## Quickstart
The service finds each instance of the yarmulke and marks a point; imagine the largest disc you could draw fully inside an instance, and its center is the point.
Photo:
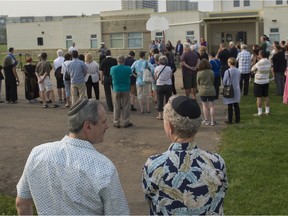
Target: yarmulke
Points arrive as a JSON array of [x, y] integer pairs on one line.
[[186, 107], [77, 106]]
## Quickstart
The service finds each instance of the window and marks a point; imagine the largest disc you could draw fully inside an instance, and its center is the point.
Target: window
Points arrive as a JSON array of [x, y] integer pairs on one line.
[[241, 37], [40, 41], [69, 41], [246, 3], [158, 35], [236, 3], [135, 40], [279, 2], [93, 41], [274, 35], [190, 35], [116, 40]]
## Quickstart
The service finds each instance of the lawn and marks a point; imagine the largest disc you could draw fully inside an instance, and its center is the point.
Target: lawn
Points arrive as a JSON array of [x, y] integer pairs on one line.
[[255, 153]]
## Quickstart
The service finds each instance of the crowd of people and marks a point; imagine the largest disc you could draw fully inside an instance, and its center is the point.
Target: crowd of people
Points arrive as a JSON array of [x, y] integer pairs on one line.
[[182, 180]]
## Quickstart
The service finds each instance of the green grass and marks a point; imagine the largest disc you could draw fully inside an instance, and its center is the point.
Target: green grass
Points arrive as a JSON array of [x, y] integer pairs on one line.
[[7, 205], [255, 153]]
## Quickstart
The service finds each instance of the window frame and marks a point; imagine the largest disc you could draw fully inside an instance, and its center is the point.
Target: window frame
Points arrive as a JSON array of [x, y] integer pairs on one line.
[[129, 38], [92, 41], [236, 3], [247, 3], [120, 38], [69, 41]]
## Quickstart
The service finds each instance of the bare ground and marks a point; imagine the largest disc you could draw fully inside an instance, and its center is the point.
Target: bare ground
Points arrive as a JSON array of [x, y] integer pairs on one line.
[[24, 126]]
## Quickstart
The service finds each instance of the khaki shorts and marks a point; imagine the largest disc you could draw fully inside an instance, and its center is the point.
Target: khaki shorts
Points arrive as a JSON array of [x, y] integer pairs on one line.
[[46, 85]]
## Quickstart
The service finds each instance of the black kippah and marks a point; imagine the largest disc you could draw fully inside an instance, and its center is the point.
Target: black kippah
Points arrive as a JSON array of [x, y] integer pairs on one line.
[[186, 107], [77, 106]]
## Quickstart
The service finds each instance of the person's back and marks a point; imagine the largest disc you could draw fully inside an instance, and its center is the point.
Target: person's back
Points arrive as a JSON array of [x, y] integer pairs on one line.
[[191, 59], [121, 78], [58, 177], [70, 177], [77, 69]]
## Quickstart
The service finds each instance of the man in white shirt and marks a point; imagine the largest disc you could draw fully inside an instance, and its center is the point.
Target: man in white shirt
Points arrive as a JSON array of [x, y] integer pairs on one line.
[[70, 177], [57, 64], [72, 48]]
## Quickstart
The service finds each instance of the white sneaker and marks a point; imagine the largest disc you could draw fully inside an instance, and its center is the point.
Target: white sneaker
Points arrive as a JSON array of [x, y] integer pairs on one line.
[[213, 123], [257, 114], [206, 122]]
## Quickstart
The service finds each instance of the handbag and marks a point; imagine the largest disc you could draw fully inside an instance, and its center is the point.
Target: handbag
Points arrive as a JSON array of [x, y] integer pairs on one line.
[[228, 91], [147, 75]]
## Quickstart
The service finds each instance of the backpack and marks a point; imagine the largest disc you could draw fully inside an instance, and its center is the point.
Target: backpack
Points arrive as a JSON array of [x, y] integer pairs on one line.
[[58, 73]]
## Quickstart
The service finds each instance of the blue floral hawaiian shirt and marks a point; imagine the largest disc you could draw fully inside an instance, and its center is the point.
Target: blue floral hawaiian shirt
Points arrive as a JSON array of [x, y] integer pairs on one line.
[[185, 180]]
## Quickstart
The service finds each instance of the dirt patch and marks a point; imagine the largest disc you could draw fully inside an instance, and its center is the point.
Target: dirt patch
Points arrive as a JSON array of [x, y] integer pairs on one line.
[[24, 126]]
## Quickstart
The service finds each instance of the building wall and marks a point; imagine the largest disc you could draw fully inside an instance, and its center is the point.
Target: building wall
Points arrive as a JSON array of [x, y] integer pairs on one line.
[[53, 33], [124, 23], [276, 18], [180, 5], [227, 6]]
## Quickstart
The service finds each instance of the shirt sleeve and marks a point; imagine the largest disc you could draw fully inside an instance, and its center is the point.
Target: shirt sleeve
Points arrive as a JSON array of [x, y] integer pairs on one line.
[[113, 197], [23, 190]]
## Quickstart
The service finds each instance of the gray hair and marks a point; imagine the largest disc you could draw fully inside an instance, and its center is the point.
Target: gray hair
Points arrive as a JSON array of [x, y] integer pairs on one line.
[[243, 46], [163, 60], [231, 43], [59, 52], [184, 127], [90, 112], [187, 46], [120, 59]]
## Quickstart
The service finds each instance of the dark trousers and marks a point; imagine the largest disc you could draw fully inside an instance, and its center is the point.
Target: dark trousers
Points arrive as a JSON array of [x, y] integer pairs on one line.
[[107, 89], [237, 112], [279, 81], [164, 91], [11, 89], [173, 85], [89, 85], [244, 80], [217, 83]]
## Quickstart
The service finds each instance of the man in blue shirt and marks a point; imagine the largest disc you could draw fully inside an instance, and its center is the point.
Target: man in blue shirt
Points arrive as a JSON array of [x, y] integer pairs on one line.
[[77, 70], [121, 86]]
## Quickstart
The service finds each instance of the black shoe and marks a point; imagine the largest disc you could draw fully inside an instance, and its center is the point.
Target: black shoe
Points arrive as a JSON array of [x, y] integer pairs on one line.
[[117, 126], [133, 108], [228, 122], [128, 125], [49, 101]]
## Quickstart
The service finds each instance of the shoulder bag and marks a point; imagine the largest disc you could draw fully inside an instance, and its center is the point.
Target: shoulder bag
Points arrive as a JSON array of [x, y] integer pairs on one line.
[[147, 74], [228, 91]]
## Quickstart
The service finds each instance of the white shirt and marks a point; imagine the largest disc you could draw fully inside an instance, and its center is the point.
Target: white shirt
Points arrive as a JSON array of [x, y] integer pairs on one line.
[[165, 77], [93, 71], [71, 49], [262, 68], [58, 62], [69, 177]]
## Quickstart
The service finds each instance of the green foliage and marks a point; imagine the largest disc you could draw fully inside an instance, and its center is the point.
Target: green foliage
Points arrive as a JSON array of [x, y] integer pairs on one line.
[[7, 205], [255, 153]]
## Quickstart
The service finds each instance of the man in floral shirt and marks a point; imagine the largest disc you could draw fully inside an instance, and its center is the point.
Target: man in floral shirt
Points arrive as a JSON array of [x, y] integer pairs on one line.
[[184, 180]]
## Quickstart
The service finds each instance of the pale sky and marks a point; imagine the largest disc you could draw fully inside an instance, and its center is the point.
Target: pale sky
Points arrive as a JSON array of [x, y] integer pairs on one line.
[[14, 8]]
